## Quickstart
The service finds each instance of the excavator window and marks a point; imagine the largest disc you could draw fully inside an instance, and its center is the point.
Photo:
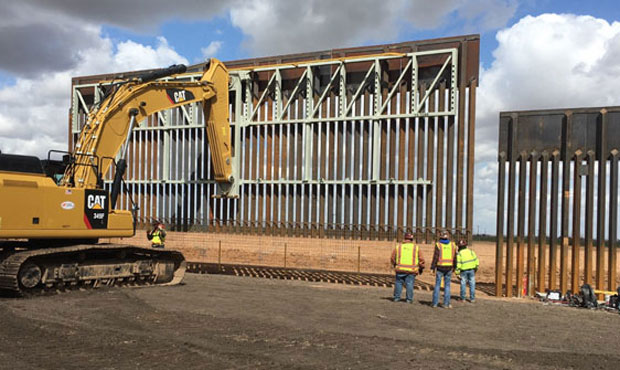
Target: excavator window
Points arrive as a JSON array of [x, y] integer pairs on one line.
[[54, 169]]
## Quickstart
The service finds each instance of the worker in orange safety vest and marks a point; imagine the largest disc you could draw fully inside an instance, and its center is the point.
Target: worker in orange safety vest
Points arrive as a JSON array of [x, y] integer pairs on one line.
[[442, 265], [408, 263]]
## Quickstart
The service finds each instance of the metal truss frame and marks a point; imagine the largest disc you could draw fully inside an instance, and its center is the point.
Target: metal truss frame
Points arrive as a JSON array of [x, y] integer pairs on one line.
[[272, 108]]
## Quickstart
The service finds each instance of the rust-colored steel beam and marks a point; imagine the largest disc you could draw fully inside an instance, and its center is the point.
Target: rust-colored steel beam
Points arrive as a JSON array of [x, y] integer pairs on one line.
[[531, 223], [589, 221], [566, 159], [612, 275], [420, 189], [402, 146], [542, 219], [450, 171], [512, 174], [460, 159], [576, 253], [499, 249], [521, 222], [471, 138], [553, 243], [601, 145], [430, 166], [441, 126]]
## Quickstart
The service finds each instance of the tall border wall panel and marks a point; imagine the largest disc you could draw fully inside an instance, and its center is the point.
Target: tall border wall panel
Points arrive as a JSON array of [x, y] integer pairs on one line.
[[359, 143], [557, 207]]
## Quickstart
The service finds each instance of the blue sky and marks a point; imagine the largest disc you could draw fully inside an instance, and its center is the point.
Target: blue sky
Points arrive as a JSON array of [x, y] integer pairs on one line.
[[534, 54], [187, 38]]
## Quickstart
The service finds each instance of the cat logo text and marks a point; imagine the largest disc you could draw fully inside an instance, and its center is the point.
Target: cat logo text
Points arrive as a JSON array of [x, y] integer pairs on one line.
[[96, 201], [177, 96]]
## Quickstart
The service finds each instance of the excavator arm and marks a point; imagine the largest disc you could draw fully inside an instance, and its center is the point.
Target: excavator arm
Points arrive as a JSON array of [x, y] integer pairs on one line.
[[108, 129]]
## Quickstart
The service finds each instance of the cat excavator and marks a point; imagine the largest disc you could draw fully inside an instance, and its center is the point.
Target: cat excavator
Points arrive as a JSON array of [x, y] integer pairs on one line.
[[53, 212]]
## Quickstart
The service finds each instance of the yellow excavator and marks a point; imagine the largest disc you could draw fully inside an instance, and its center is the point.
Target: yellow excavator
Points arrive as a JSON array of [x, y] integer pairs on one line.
[[52, 212]]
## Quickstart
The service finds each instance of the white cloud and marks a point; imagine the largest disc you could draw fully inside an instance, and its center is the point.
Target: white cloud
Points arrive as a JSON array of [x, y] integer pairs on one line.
[[548, 61], [40, 36], [479, 16], [138, 15], [211, 49], [34, 111], [134, 56], [275, 27], [35, 42], [483, 15], [426, 14]]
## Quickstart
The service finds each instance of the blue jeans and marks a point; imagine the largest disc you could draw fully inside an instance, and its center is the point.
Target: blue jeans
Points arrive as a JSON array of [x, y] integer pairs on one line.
[[408, 279], [446, 276], [468, 276]]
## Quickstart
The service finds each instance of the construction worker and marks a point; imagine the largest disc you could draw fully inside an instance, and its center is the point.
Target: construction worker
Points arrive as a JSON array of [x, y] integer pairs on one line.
[[157, 236], [442, 266], [408, 262], [466, 265]]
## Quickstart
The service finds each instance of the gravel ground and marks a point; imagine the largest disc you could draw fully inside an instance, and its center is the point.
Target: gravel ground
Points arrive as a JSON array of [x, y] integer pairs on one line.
[[228, 322]]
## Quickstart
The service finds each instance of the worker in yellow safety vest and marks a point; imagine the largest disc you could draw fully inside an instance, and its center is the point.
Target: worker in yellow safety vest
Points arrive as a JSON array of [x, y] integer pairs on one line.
[[442, 266], [466, 266], [408, 263], [157, 236]]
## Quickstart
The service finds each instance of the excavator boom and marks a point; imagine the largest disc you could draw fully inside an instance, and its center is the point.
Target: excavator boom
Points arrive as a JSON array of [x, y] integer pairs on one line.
[[108, 128]]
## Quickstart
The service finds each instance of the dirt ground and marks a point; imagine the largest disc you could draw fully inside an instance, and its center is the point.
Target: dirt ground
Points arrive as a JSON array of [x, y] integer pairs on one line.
[[228, 322]]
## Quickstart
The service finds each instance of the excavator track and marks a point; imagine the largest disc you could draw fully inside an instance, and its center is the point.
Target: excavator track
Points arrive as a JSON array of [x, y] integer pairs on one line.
[[39, 271]]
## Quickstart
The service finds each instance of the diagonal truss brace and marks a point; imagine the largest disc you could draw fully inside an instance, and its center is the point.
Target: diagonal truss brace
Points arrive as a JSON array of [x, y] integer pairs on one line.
[[296, 91]]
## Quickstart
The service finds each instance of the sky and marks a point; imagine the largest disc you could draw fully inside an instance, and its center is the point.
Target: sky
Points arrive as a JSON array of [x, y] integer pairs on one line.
[[534, 54]]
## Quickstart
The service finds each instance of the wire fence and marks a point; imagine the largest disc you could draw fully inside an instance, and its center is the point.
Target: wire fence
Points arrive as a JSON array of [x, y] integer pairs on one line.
[[336, 253]]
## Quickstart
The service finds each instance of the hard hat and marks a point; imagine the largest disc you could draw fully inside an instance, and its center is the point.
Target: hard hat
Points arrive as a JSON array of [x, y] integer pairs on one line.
[[408, 236]]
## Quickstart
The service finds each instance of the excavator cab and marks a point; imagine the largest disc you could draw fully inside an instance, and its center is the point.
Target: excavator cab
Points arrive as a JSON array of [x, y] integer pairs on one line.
[[55, 168], [52, 168]]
